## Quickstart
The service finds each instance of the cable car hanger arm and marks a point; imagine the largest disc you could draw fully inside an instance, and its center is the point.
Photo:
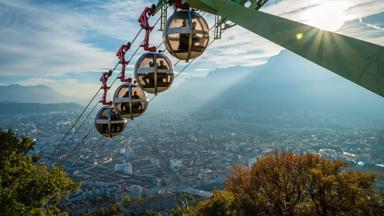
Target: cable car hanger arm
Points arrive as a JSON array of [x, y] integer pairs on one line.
[[104, 79], [121, 55], [177, 3], [144, 23]]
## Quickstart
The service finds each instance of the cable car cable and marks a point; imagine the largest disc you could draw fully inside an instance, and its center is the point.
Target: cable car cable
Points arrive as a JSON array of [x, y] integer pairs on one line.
[[90, 150], [77, 129], [181, 71], [132, 55], [94, 96], [137, 49], [82, 140], [92, 99], [117, 77], [82, 123], [78, 118], [186, 66]]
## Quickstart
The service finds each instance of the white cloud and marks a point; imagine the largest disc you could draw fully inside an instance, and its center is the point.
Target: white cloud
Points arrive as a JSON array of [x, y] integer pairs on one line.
[[296, 9], [363, 8], [78, 91], [45, 41], [243, 48], [364, 31], [44, 81]]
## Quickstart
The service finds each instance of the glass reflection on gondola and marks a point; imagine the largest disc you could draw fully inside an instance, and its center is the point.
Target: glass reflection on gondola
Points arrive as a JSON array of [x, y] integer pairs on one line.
[[154, 72], [130, 100], [186, 35], [109, 122]]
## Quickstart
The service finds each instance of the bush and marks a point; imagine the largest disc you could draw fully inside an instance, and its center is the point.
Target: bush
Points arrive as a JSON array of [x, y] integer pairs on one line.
[[25, 187], [289, 184]]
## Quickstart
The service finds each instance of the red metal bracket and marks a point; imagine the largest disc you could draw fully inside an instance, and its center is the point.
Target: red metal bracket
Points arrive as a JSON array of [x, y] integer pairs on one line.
[[104, 79], [143, 21], [121, 55], [179, 4]]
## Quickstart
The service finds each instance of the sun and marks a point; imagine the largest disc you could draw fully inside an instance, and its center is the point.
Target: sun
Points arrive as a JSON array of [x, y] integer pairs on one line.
[[329, 15]]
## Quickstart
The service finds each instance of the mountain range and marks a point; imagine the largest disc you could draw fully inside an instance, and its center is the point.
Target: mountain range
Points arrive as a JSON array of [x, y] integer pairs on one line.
[[197, 91], [31, 94], [286, 83], [10, 108], [18, 99]]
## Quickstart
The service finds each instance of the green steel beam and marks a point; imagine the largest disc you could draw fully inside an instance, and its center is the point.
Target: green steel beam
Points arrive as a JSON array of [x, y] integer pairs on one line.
[[359, 61], [159, 5], [195, 4]]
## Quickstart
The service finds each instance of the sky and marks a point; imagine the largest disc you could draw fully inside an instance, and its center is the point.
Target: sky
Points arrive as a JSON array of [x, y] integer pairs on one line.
[[67, 44]]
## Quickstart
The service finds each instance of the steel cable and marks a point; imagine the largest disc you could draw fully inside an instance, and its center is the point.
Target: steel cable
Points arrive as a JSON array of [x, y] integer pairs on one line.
[[92, 99], [134, 53]]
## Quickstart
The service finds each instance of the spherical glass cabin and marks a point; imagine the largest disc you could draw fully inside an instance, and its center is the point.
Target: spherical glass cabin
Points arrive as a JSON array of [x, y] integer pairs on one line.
[[154, 72], [130, 100], [109, 122], [186, 35]]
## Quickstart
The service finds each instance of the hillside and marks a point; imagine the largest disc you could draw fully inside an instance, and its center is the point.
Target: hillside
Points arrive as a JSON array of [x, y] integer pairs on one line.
[[7, 108], [291, 83], [286, 83], [195, 92], [31, 94]]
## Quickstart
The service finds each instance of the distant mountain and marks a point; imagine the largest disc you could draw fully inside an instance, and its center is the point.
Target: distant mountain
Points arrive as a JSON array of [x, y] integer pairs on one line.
[[31, 94], [286, 83], [7, 108], [198, 91]]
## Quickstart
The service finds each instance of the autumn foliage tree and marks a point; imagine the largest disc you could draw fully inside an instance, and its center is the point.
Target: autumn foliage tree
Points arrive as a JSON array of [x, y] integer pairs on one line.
[[27, 188], [290, 184]]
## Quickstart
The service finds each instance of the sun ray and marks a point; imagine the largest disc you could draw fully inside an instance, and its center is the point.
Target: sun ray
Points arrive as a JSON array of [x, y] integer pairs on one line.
[[329, 15]]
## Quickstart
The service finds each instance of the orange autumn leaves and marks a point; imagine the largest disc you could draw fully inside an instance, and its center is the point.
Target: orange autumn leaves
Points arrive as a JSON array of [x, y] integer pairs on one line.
[[290, 184]]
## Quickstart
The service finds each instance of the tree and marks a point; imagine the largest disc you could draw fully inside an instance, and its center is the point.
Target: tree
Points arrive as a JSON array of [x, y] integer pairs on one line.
[[221, 203], [27, 188], [184, 202], [127, 201], [289, 184], [151, 213], [112, 210]]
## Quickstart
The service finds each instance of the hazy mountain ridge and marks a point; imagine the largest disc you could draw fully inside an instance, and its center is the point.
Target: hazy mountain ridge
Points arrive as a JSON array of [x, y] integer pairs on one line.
[[7, 108], [286, 83], [31, 94], [197, 91]]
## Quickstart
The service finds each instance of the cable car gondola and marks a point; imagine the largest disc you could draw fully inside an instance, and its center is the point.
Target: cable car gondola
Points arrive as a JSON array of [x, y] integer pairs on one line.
[[130, 100], [154, 72], [186, 35], [109, 122]]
